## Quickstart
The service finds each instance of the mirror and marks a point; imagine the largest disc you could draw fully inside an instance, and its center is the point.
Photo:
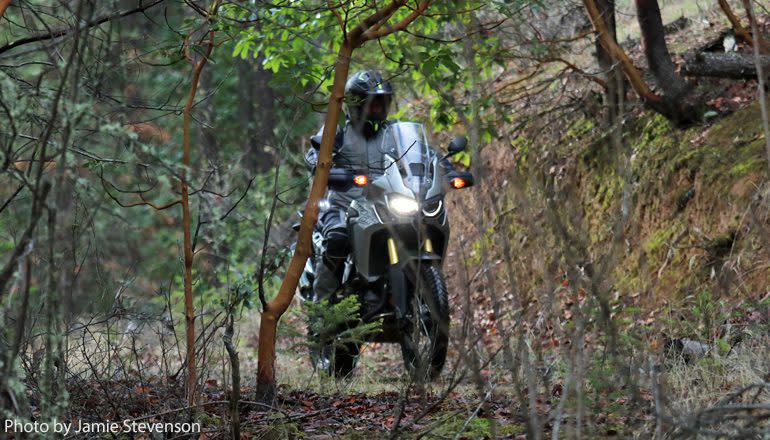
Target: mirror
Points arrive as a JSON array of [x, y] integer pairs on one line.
[[457, 145]]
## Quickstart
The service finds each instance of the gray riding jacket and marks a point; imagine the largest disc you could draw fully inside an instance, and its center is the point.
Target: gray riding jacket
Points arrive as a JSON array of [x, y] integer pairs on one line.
[[351, 151]]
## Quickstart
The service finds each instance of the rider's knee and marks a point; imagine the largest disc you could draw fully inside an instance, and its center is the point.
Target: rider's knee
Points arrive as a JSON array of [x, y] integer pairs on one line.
[[337, 244]]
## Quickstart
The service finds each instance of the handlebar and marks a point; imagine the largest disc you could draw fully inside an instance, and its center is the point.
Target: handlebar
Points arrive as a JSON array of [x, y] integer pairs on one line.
[[341, 179]]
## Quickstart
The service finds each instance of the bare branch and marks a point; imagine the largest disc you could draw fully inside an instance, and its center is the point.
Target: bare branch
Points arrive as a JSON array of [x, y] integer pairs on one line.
[[340, 20], [355, 36], [760, 76], [62, 32], [26, 238], [143, 201], [379, 33]]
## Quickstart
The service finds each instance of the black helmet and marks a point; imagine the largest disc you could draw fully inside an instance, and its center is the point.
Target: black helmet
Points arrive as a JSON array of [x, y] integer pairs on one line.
[[361, 90]]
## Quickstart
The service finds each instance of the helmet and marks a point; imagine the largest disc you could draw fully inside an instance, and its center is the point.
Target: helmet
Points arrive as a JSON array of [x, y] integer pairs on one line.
[[361, 91]]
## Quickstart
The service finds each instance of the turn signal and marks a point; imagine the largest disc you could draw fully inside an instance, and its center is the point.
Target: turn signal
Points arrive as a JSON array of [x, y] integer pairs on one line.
[[458, 183], [361, 180]]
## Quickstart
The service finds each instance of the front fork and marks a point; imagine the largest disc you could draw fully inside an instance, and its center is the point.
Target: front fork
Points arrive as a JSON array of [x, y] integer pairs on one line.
[[398, 277]]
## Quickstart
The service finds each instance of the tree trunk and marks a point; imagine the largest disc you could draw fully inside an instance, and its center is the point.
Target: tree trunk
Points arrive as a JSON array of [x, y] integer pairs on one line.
[[656, 51], [257, 111], [677, 104], [247, 113], [275, 308], [610, 66], [723, 65], [3, 6], [265, 99], [192, 377], [633, 74]]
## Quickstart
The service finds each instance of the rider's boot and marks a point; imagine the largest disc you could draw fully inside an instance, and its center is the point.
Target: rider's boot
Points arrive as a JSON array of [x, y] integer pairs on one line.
[[328, 277], [325, 284]]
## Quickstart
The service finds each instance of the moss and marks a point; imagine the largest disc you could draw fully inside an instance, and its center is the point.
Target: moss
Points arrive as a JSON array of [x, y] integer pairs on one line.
[[474, 258], [475, 428], [732, 147], [511, 429], [207, 419], [743, 168], [522, 146], [629, 282], [656, 133], [580, 128], [658, 238], [687, 158], [280, 431], [612, 191]]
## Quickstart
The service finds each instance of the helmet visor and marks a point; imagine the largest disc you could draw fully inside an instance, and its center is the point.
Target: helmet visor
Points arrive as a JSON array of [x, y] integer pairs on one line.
[[368, 108]]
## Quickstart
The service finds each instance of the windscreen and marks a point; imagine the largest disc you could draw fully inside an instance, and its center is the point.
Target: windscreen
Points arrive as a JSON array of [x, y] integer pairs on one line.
[[407, 144]]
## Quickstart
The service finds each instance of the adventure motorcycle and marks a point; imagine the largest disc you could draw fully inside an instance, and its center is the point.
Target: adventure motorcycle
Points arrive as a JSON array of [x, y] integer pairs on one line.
[[399, 233]]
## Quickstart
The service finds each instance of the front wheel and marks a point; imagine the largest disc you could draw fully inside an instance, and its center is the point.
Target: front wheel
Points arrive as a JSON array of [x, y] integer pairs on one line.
[[338, 360], [425, 342]]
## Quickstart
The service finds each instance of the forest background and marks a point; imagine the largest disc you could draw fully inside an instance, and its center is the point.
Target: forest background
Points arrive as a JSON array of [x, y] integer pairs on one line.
[[608, 271]]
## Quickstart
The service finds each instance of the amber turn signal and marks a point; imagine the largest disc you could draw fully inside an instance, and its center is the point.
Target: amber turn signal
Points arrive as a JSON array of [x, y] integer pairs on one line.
[[458, 183], [361, 180]]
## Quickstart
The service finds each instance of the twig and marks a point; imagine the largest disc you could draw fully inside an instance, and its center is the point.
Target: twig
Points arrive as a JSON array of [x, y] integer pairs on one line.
[[561, 405], [658, 400], [235, 373], [474, 414], [26, 238], [246, 191], [269, 221], [63, 32], [760, 78], [10, 199]]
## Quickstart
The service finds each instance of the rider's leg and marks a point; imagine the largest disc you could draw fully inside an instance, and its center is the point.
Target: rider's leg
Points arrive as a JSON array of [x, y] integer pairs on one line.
[[329, 267]]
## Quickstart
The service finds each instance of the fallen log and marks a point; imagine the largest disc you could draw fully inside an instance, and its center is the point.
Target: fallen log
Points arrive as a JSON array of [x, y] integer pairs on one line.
[[723, 65]]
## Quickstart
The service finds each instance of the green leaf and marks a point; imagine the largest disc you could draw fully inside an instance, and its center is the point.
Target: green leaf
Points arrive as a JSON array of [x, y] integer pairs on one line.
[[427, 68]]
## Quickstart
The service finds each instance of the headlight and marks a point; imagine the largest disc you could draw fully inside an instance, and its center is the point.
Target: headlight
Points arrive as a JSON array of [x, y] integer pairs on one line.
[[403, 205], [432, 209]]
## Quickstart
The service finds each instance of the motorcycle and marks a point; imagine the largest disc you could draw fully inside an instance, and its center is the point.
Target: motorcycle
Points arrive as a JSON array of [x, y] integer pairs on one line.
[[399, 233]]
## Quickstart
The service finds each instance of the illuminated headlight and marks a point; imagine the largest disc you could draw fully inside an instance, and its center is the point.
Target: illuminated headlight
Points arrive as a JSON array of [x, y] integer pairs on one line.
[[433, 212], [403, 205]]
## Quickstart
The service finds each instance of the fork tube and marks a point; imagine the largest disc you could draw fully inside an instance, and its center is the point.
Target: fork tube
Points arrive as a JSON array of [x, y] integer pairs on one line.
[[392, 252], [397, 280], [428, 245]]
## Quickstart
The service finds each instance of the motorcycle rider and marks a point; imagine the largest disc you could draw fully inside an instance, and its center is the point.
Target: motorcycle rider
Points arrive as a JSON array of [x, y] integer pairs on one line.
[[358, 150], [357, 147]]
